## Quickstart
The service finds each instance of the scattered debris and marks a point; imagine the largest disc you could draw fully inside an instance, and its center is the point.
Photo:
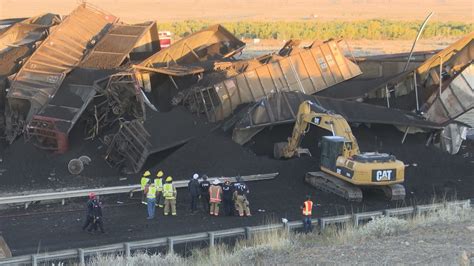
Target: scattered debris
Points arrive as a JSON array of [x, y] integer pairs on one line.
[[115, 83], [43, 73], [76, 166]]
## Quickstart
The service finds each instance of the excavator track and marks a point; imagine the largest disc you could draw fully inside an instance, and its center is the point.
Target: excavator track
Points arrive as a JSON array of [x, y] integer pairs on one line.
[[328, 183], [394, 192], [348, 191]]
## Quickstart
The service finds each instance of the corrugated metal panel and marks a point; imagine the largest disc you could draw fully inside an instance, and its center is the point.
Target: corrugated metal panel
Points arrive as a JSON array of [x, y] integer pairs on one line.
[[115, 46], [281, 108], [17, 42], [456, 98], [446, 54], [43, 73], [202, 45], [307, 70]]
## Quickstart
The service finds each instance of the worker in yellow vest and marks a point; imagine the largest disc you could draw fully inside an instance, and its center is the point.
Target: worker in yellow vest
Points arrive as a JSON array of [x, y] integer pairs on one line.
[[307, 210], [215, 197], [169, 193], [151, 193], [143, 183], [159, 187]]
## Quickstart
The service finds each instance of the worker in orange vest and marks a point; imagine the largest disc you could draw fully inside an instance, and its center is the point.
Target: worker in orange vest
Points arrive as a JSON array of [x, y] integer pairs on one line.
[[215, 197], [307, 209]]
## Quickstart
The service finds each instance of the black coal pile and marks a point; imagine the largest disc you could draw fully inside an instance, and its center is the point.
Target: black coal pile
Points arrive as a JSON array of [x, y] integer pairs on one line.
[[431, 172], [216, 154]]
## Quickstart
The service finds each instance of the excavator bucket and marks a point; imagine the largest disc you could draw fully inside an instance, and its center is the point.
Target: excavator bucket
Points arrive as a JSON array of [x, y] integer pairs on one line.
[[278, 150], [301, 151]]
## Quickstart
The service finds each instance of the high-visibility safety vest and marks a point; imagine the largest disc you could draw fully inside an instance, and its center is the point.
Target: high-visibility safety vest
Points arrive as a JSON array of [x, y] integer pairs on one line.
[[144, 181], [308, 207], [169, 191], [151, 192], [215, 193], [159, 184]]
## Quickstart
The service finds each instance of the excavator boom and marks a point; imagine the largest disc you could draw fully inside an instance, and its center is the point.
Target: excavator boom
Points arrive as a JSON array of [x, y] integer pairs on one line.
[[344, 169], [306, 116]]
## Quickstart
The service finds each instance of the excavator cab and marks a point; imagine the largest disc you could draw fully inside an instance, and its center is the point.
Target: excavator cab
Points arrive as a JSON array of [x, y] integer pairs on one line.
[[331, 148]]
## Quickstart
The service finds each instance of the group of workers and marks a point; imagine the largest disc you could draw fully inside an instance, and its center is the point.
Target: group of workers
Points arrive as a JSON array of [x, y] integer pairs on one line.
[[232, 196], [157, 193]]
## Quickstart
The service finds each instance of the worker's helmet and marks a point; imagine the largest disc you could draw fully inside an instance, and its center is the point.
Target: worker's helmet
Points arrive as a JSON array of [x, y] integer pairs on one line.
[[195, 176], [160, 174], [216, 182], [92, 195], [147, 173], [169, 179]]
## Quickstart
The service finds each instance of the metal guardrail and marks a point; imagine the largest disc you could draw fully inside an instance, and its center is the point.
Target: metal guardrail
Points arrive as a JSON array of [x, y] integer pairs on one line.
[[63, 195], [428, 208], [358, 217], [399, 211], [334, 220], [127, 247]]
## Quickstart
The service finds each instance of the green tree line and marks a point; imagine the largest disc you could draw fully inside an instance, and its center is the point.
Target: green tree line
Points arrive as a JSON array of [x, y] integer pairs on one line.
[[374, 29]]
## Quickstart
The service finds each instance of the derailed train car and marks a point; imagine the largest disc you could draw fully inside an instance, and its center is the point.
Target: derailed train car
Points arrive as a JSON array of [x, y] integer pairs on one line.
[[114, 82]]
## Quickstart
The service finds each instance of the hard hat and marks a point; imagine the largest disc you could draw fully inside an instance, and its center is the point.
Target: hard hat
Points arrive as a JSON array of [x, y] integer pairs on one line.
[[169, 179], [216, 182], [195, 176], [147, 173], [92, 195], [160, 174]]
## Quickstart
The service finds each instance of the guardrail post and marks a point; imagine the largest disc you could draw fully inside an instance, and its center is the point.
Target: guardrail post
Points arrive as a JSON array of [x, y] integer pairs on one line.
[[34, 260], [287, 227], [211, 239], [170, 245], [82, 259], [322, 225], [248, 232], [126, 247]]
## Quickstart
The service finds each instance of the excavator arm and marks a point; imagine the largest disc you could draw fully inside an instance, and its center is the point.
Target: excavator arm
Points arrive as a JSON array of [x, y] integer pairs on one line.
[[306, 116]]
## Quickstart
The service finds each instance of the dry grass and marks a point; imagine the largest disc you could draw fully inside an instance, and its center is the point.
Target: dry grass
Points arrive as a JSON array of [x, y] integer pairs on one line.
[[275, 246]]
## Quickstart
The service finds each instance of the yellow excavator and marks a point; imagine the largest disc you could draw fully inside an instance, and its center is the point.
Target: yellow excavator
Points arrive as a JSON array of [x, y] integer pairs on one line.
[[344, 169]]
